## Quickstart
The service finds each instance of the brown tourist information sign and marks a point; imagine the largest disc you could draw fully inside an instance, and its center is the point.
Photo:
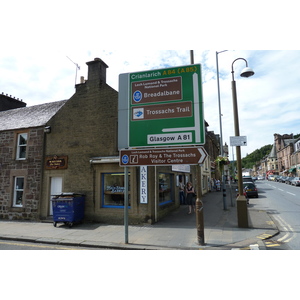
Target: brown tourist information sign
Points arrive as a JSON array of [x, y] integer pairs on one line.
[[163, 157], [56, 162]]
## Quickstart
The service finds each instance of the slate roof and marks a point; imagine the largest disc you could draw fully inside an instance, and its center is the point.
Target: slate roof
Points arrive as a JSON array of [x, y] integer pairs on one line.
[[273, 153], [31, 116]]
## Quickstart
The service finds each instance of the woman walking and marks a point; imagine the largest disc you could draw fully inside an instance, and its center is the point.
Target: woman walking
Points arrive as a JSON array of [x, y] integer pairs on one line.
[[190, 197]]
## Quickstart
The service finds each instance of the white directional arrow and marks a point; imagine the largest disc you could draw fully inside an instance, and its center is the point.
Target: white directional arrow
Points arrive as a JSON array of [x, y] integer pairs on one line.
[[203, 155]]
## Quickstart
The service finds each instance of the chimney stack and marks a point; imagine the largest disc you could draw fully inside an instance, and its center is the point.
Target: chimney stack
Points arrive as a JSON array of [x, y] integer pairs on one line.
[[7, 102], [97, 70]]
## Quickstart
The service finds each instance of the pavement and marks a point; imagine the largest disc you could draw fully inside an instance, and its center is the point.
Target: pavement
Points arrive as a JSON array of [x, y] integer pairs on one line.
[[176, 231]]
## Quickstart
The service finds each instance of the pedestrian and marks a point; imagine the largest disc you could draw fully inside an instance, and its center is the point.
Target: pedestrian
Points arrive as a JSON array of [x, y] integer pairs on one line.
[[190, 197], [214, 185], [181, 192], [218, 185]]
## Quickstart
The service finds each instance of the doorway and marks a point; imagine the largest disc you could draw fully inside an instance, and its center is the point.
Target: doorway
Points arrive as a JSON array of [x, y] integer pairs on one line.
[[55, 189]]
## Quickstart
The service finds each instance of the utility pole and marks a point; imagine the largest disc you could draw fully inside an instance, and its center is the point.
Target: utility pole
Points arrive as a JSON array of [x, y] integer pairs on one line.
[[199, 203]]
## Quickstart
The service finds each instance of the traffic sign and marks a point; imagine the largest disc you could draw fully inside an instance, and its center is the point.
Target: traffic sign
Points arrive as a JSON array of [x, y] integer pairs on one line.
[[163, 156], [238, 141], [161, 108]]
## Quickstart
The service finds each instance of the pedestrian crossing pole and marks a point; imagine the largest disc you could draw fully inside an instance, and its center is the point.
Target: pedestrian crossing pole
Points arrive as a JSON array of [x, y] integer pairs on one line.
[[199, 203]]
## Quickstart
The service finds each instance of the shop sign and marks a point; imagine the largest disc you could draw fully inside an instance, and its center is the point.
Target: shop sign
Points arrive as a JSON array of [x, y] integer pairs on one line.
[[161, 108], [56, 162], [163, 157], [144, 185]]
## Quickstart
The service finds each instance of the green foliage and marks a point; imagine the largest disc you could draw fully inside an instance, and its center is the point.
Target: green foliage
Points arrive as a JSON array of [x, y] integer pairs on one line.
[[251, 159]]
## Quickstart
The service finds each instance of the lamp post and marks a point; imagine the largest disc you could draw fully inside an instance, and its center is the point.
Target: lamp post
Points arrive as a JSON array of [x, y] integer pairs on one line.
[[221, 131], [242, 210]]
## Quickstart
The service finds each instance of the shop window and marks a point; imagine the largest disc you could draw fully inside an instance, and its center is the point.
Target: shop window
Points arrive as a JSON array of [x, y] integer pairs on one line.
[[166, 188], [18, 191], [21, 146], [113, 188]]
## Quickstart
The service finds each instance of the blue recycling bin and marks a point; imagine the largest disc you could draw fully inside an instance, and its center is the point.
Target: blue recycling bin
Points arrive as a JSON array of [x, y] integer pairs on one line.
[[68, 208]]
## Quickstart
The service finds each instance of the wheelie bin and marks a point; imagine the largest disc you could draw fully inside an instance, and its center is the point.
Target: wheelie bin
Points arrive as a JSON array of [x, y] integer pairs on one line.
[[68, 208]]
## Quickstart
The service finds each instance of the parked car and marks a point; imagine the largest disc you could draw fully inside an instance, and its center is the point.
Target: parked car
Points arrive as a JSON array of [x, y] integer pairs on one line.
[[277, 178], [283, 179], [289, 179], [271, 177], [296, 181], [247, 179], [260, 177], [250, 189], [254, 178]]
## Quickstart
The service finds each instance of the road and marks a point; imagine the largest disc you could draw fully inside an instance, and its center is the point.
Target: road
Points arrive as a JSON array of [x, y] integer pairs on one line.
[[282, 202]]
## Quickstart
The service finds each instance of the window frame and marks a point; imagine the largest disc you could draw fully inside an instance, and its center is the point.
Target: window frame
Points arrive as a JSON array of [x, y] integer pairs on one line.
[[170, 176], [103, 189], [16, 190], [19, 146]]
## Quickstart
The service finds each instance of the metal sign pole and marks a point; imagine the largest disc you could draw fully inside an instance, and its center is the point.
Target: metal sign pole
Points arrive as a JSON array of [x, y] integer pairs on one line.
[[126, 205]]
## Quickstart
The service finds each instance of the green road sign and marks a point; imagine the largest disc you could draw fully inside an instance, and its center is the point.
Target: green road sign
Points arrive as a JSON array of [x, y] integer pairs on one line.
[[161, 108]]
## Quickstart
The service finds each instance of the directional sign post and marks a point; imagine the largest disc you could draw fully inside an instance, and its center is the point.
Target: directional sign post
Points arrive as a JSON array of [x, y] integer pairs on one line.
[[163, 157], [161, 108]]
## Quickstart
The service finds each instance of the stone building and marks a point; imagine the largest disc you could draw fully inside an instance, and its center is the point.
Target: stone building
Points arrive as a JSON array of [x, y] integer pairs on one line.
[[21, 159], [295, 159], [284, 158], [284, 145], [85, 128]]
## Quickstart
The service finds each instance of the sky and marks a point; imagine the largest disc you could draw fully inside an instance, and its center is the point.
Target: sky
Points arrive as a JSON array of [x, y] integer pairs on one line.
[[42, 44]]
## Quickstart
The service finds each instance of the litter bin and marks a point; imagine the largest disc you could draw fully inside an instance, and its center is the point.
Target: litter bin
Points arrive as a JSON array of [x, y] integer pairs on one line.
[[68, 208]]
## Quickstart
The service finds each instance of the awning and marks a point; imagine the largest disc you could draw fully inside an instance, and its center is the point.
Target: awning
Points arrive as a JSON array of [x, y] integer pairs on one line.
[[105, 160], [292, 170]]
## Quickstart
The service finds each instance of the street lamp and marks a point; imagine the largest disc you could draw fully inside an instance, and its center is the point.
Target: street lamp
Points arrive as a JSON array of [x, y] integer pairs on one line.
[[221, 131], [242, 209]]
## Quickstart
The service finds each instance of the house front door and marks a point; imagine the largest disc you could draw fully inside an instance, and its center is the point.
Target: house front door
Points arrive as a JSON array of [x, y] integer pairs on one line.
[[55, 189]]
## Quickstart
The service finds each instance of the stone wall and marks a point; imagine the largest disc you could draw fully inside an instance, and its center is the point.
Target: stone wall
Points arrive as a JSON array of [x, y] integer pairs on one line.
[[30, 169]]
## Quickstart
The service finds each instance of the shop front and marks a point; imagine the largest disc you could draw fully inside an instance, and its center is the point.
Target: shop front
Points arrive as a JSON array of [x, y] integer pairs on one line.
[[152, 192]]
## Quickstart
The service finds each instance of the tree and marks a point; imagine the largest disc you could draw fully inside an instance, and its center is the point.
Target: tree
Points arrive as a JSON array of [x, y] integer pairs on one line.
[[257, 155]]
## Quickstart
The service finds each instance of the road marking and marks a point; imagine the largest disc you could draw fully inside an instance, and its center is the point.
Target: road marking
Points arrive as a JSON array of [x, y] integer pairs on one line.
[[291, 193], [290, 234], [264, 236], [270, 222], [272, 244], [284, 237]]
